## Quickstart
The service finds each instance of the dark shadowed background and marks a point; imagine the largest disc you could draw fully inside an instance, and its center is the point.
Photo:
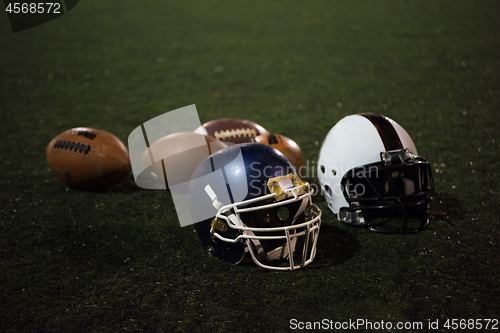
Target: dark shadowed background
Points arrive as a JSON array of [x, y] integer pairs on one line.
[[116, 260]]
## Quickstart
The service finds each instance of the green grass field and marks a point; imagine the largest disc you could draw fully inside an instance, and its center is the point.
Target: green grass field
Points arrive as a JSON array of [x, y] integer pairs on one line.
[[116, 260]]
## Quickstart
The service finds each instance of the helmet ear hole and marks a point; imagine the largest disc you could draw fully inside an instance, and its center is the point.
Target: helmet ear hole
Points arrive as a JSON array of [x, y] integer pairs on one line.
[[283, 213], [328, 190], [322, 168]]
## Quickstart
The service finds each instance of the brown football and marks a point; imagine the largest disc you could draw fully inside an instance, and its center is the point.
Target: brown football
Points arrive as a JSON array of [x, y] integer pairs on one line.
[[232, 130], [87, 158], [177, 155], [288, 147]]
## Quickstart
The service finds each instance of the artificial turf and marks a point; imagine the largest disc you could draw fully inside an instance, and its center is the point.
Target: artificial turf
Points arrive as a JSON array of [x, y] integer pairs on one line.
[[117, 260]]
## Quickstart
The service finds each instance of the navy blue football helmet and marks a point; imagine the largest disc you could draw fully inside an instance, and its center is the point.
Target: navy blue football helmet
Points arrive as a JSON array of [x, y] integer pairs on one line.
[[248, 202]]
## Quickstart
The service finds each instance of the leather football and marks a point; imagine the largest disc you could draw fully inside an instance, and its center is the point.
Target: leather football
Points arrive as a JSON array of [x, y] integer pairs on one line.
[[232, 130], [87, 158], [175, 156], [288, 147]]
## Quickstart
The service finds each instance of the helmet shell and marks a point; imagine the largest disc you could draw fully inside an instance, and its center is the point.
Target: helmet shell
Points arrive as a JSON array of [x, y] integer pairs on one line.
[[236, 173], [354, 141]]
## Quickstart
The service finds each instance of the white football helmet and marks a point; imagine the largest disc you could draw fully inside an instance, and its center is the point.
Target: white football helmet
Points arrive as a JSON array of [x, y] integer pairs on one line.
[[371, 175]]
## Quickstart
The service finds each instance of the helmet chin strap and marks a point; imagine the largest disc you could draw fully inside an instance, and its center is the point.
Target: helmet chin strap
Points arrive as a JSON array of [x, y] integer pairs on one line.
[[217, 204], [301, 209]]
